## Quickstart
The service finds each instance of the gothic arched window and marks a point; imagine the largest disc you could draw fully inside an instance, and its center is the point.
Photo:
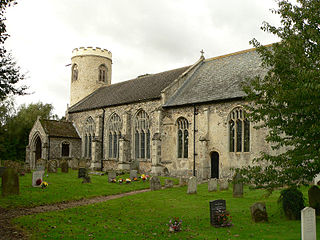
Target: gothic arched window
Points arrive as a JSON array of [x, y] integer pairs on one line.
[[183, 136], [239, 131], [114, 127], [142, 135], [88, 137], [102, 73], [74, 72]]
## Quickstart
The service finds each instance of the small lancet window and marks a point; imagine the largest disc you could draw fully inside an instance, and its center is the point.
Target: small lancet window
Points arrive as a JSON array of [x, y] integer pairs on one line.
[[102, 73], [74, 72]]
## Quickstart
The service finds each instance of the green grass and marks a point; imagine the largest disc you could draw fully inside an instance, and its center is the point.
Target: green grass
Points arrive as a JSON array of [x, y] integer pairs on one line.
[[146, 215], [65, 187]]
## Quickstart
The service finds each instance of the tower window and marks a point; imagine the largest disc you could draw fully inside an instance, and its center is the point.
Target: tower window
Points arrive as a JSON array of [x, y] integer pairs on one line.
[[74, 72], [102, 73]]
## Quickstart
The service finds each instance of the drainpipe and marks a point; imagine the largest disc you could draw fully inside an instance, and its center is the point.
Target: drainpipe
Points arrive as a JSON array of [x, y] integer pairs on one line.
[[102, 139], [194, 139], [49, 148]]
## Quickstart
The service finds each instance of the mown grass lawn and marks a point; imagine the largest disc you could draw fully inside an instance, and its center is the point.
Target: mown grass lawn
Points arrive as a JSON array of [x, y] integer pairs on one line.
[[146, 215], [65, 187]]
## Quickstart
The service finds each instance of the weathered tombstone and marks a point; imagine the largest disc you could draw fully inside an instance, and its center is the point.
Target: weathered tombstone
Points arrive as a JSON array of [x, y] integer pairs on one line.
[[86, 179], [259, 212], [168, 183], [35, 176], [40, 168], [216, 207], [314, 198], [224, 184], [82, 173], [41, 164], [64, 167], [133, 174], [237, 186], [52, 166], [111, 175], [82, 163], [192, 185], [308, 224], [10, 182], [212, 185], [74, 164], [155, 183], [183, 181], [2, 169]]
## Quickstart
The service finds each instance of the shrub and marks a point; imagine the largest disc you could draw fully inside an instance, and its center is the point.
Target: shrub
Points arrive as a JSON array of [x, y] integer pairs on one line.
[[292, 202]]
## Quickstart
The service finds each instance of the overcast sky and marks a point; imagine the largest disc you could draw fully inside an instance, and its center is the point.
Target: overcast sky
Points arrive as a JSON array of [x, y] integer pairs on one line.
[[144, 36]]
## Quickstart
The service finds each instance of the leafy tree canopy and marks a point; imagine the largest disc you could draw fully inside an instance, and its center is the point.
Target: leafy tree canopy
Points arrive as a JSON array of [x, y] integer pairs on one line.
[[287, 100]]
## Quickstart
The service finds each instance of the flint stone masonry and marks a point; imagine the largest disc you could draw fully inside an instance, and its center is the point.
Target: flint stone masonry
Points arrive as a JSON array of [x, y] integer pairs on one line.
[[259, 212], [10, 182], [308, 224], [212, 185], [35, 176], [155, 183], [192, 185], [52, 166]]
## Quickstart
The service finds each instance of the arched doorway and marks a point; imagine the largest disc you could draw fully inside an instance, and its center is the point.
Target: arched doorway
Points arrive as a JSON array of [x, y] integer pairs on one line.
[[215, 165], [38, 147]]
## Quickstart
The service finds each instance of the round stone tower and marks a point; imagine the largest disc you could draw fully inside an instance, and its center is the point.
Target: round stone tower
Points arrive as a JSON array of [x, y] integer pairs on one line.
[[90, 70]]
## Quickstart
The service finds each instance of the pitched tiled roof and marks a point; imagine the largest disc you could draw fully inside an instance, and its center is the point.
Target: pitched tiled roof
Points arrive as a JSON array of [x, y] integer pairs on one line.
[[143, 88], [218, 79], [56, 128]]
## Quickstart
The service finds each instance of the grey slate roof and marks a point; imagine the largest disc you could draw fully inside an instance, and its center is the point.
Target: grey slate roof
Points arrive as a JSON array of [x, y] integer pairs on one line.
[[143, 88], [218, 79], [56, 128]]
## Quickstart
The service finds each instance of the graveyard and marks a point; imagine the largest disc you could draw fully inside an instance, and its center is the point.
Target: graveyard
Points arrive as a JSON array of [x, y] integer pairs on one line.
[[144, 214]]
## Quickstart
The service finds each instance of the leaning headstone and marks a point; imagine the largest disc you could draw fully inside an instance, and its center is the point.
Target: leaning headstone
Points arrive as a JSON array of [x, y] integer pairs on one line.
[[155, 183], [314, 198], [237, 186], [10, 182], [308, 224], [259, 212], [224, 184], [183, 181], [133, 174], [216, 208], [192, 185], [82, 173], [2, 169], [168, 183], [52, 166], [111, 175], [64, 167], [35, 176], [212, 185]]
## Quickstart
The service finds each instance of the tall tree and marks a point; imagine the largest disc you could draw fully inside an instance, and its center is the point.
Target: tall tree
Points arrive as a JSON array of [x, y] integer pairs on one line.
[[9, 72], [287, 100]]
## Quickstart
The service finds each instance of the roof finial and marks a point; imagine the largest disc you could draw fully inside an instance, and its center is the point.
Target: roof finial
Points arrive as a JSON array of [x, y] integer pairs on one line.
[[202, 52]]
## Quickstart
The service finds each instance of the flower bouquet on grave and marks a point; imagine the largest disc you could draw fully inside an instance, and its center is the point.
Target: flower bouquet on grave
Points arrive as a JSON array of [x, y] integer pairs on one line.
[[128, 180], [135, 179], [44, 185], [144, 177], [113, 180], [223, 218], [120, 180], [38, 182], [175, 225]]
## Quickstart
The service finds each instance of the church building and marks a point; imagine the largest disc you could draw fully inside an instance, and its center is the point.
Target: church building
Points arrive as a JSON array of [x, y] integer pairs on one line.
[[181, 122]]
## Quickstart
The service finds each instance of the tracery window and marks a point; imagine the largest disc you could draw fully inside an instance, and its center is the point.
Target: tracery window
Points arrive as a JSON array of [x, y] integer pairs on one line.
[[65, 149], [183, 136], [88, 137], [142, 135], [74, 72], [114, 131], [239, 131], [102, 73]]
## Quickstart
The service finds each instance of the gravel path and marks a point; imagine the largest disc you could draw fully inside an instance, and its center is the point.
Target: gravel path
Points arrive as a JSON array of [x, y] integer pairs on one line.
[[8, 231]]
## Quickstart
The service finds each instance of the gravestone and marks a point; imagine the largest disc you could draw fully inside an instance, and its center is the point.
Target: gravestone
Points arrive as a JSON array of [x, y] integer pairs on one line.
[[74, 164], [308, 224], [64, 167], [212, 185], [192, 185], [259, 212], [40, 168], [168, 183], [82, 163], [314, 198], [155, 183], [86, 179], [183, 181], [52, 166], [35, 176], [216, 207], [133, 174], [111, 175], [237, 186], [10, 182], [82, 173], [224, 185], [2, 169], [41, 164]]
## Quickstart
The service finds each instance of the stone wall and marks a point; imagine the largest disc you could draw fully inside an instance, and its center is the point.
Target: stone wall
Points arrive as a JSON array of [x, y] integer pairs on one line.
[[56, 147]]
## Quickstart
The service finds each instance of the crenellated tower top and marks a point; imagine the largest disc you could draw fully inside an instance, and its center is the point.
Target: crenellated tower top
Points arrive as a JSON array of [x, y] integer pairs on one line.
[[90, 51]]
